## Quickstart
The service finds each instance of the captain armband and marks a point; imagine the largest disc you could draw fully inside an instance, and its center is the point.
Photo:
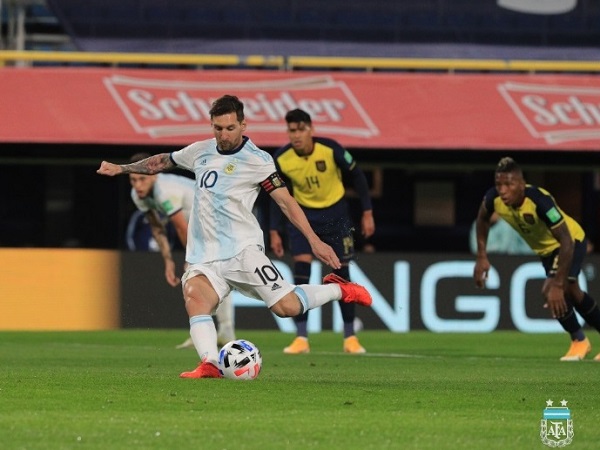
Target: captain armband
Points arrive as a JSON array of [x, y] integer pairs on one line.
[[273, 182]]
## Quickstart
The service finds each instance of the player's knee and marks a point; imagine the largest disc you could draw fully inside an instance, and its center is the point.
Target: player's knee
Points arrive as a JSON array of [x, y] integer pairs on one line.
[[288, 306], [198, 299], [190, 292]]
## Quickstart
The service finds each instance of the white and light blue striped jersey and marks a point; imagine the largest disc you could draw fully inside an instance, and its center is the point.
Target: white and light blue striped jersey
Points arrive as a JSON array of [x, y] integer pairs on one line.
[[227, 184], [170, 194]]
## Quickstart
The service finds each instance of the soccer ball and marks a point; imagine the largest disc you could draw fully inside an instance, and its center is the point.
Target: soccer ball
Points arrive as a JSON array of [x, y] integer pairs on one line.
[[240, 360]]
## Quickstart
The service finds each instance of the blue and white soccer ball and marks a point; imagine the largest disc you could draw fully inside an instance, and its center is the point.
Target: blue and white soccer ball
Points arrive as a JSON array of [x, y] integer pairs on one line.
[[240, 360]]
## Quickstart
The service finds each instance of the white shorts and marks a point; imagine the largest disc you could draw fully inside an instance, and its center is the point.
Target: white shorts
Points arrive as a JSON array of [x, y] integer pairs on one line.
[[250, 272]]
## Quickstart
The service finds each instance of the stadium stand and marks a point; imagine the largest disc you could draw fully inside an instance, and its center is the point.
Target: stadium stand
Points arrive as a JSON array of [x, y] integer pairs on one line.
[[383, 28], [30, 25], [462, 34]]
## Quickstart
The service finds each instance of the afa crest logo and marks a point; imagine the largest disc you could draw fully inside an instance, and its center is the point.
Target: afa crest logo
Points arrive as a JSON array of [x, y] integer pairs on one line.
[[231, 166], [556, 429]]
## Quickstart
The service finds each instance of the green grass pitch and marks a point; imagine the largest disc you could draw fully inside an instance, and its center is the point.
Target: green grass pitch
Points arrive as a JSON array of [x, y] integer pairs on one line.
[[419, 390]]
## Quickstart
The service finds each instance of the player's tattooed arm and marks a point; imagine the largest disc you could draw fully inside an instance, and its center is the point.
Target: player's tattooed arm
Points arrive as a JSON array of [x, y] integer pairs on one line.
[[149, 166]]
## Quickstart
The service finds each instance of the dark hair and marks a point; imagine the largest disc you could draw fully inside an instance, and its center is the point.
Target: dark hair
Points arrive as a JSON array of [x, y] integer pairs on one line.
[[297, 116], [139, 156], [226, 105], [508, 165]]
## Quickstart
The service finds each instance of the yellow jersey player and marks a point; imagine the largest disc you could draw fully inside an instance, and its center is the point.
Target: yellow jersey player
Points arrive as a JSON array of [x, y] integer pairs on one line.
[[554, 236], [312, 168]]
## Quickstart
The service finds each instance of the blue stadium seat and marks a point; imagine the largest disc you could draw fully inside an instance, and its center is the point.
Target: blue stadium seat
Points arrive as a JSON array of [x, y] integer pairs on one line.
[[384, 22]]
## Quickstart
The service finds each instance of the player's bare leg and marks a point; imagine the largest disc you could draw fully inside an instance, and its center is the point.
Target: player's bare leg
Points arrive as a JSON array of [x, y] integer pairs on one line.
[[200, 300]]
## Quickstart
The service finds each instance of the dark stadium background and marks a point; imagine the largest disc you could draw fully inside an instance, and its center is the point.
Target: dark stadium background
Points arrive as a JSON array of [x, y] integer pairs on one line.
[[50, 189]]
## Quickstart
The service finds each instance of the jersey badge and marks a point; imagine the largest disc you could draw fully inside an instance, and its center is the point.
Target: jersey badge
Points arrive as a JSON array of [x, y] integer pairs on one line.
[[321, 166], [348, 157], [230, 167], [553, 215], [276, 181], [167, 205], [528, 218], [273, 182]]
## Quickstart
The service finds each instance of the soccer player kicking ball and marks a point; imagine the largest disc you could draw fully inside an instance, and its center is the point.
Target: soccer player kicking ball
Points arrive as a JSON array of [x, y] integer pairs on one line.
[[172, 196], [555, 237], [225, 248]]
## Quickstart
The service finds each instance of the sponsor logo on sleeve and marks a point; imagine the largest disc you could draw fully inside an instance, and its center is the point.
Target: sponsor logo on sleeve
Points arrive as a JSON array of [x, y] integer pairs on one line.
[[553, 215]]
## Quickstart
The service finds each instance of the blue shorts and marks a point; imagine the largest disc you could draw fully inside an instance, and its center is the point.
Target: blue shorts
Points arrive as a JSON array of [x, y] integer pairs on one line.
[[333, 225]]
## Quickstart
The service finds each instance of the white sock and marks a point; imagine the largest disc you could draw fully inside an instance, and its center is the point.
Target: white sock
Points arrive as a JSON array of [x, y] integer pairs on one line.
[[225, 315], [204, 335], [314, 295]]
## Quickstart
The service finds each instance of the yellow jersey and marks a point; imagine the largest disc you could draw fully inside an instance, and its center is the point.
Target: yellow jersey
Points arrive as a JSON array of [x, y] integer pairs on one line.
[[315, 179], [534, 218]]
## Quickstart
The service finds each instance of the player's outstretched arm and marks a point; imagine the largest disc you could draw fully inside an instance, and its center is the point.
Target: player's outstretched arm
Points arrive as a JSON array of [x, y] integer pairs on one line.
[[554, 287], [109, 169], [149, 166], [294, 213], [367, 223], [276, 243], [482, 264], [159, 232]]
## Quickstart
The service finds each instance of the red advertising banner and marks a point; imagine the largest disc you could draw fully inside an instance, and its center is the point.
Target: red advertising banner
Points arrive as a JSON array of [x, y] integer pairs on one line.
[[361, 110]]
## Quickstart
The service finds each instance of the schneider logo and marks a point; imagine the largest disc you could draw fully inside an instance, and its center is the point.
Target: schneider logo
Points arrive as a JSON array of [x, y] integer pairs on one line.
[[555, 113], [556, 429], [165, 108]]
